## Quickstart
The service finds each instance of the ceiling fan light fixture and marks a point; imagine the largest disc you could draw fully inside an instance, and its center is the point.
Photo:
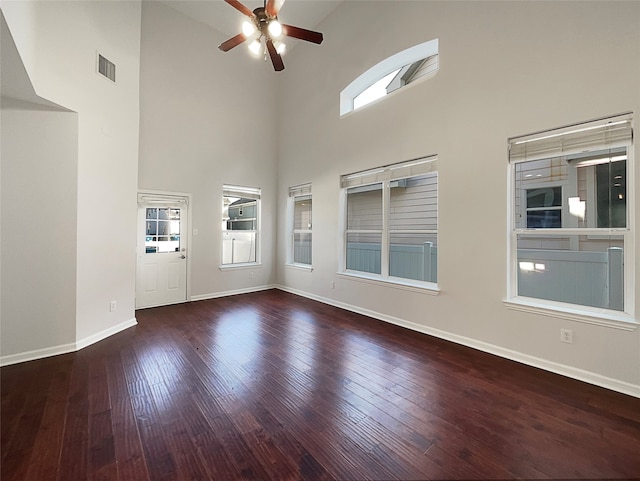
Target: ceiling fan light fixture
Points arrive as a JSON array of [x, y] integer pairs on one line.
[[275, 28], [255, 47], [281, 48], [248, 28], [262, 32]]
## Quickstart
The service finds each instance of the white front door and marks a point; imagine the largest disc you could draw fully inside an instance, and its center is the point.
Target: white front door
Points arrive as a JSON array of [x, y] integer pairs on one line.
[[161, 276]]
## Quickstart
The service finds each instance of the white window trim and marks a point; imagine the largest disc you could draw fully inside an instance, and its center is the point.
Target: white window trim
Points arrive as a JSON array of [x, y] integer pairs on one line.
[[598, 317], [383, 68], [384, 278], [254, 192], [300, 267], [626, 319], [395, 282], [243, 265], [304, 190]]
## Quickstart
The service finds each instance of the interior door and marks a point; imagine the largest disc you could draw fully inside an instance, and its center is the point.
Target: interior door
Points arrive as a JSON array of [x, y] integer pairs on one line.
[[161, 275]]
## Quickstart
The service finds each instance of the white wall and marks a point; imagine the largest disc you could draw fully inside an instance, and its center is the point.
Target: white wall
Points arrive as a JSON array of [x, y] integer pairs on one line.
[[58, 43], [506, 69], [39, 152], [208, 118]]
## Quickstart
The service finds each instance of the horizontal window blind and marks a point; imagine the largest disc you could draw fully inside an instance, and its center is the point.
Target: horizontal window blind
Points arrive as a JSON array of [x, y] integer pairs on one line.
[[300, 191], [243, 192], [608, 133], [151, 199], [402, 170]]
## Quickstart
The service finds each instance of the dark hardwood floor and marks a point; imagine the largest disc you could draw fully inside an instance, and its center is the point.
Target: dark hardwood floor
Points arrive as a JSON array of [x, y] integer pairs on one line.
[[271, 386]]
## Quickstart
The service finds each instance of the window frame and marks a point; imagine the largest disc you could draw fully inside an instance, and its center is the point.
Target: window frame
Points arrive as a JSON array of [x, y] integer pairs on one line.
[[621, 319], [390, 64], [385, 176], [231, 190], [298, 192]]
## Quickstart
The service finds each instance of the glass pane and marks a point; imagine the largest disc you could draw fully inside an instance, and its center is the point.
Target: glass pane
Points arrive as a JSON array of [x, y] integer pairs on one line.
[[163, 227], [414, 256], [238, 247], [539, 184], [162, 235], [302, 214], [152, 227], [364, 207], [583, 270], [587, 190], [544, 197], [544, 219], [414, 203], [611, 194], [302, 248], [363, 252]]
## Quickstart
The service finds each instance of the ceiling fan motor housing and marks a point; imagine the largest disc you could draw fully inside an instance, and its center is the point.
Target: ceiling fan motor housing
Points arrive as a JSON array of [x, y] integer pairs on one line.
[[262, 20]]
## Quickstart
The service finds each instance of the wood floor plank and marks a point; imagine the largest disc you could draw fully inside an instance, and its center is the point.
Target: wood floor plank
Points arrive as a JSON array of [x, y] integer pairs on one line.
[[272, 386]]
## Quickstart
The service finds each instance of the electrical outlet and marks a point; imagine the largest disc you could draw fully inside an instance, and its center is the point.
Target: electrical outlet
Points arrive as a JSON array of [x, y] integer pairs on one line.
[[252, 275], [566, 336], [332, 284], [112, 306]]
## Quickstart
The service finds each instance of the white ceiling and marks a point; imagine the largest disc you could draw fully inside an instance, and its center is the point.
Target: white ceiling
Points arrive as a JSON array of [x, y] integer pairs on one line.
[[223, 17]]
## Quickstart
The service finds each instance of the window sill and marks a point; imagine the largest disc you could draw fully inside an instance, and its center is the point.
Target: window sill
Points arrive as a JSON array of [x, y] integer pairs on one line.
[[598, 317], [299, 267], [421, 287], [246, 265]]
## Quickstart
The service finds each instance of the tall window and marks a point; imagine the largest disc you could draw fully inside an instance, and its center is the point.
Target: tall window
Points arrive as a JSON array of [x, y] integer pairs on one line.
[[240, 224], [571, 226], [300, 224], [391, 222]]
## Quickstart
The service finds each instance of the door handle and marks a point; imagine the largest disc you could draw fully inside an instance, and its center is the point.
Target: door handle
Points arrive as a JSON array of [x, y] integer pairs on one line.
[[183, 256]]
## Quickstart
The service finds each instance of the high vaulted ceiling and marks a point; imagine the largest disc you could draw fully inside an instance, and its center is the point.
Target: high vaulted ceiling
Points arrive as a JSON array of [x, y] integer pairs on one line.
[[223, 17]]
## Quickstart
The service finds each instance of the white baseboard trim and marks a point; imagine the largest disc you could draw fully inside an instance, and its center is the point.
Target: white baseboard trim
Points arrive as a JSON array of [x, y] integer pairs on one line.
[[37, 354], [562, 369], [247, 290], [99, 336], [65, 348]]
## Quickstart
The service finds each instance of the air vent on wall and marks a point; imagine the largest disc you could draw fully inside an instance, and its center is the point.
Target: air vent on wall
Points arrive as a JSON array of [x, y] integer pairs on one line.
[[106, 68]]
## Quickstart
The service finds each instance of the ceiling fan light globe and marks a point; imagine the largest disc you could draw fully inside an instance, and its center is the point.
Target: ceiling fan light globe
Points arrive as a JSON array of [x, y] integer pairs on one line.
[[275, 29], [281, 48], [255, 47], [248, 28]]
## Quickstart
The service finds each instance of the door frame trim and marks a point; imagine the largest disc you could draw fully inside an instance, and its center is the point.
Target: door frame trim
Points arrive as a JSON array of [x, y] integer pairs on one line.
[[176, 196]]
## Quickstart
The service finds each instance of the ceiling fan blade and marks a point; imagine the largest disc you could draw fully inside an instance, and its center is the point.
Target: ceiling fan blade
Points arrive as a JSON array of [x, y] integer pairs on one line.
[[240, 7], [302, 34], [273, 7], [232, 42], [276, 59]]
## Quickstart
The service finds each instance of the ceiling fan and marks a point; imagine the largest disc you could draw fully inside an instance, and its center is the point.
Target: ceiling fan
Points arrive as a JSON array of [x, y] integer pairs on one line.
[[265, 29]]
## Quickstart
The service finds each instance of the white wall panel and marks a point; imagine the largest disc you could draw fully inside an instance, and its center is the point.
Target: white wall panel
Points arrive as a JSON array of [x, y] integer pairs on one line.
[[506, 69]]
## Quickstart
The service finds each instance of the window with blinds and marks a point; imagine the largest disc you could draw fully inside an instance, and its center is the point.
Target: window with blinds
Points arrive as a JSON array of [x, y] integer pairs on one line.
[[300, 225], [391, 222], [240, 225], [571, 219]]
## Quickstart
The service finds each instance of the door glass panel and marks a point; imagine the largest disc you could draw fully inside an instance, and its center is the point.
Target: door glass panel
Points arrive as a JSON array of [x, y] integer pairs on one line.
[[162, 230]]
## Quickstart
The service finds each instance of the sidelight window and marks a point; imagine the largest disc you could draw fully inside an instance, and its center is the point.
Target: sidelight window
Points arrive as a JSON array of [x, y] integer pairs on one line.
[[300, 225]]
